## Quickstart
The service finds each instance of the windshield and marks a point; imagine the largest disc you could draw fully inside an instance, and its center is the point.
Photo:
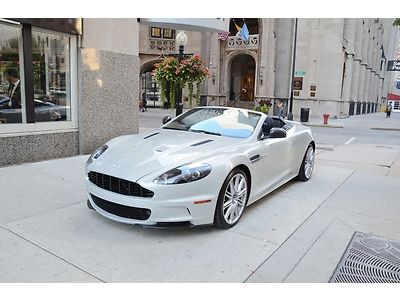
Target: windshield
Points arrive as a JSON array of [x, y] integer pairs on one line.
[[236, 123]]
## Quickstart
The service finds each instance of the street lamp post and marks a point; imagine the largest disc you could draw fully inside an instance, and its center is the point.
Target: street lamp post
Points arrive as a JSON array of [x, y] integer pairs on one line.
[[290, 114], [181, 40]]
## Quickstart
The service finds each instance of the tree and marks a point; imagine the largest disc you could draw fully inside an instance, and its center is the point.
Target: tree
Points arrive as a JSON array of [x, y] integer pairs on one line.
[[396, 22]]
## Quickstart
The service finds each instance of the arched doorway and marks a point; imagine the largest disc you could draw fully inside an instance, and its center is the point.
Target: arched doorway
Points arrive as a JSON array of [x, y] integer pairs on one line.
[[149, 88], [242, 78]]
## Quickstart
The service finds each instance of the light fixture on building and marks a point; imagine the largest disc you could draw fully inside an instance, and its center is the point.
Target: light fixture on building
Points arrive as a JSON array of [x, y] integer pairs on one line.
[[181, 41], [261, 77]]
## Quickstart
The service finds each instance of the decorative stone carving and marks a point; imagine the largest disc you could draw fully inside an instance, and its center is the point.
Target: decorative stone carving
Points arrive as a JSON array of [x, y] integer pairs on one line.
[[162, 45], [236, 43]]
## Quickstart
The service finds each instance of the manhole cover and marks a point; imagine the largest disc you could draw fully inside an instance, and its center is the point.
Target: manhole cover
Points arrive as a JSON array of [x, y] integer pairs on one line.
[[369, 258]]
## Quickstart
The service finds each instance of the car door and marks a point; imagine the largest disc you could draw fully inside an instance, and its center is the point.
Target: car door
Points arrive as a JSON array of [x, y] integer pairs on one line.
[[273, 158]]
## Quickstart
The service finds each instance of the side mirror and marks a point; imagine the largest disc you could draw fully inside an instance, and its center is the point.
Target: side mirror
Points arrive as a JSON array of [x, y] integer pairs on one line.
[[277, 132], [166, 119]]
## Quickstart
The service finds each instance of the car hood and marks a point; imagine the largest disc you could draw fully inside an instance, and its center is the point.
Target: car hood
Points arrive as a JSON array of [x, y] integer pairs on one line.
[[135, 156]]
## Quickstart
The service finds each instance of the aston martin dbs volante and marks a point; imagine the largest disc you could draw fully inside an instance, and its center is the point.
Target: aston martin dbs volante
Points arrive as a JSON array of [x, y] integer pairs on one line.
[[202, 167]]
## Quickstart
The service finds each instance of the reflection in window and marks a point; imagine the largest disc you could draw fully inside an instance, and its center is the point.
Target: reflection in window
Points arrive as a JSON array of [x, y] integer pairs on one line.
[[235, 123], [155, 32], [51, 76], [150, 88], [11, 86]]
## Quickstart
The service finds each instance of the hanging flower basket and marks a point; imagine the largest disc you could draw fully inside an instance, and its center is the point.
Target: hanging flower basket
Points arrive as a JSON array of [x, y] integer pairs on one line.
[[187, 73]]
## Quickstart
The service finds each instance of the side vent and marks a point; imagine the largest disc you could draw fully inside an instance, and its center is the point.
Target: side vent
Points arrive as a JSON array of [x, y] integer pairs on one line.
[[201, 143]]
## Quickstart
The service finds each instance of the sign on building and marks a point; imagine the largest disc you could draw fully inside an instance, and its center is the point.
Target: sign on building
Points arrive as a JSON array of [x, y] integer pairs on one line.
[[393, 65], [197, 24]]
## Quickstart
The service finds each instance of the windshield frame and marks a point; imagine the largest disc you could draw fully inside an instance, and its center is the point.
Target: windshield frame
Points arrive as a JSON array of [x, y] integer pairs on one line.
[[218, 124]]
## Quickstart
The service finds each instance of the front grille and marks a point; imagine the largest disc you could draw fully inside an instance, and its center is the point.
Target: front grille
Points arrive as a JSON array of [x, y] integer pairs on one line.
[[122, 210], [118, 185]]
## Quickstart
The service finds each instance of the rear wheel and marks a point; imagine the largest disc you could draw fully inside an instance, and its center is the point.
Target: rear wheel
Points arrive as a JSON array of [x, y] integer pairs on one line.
[[307, 165], [232, 200]]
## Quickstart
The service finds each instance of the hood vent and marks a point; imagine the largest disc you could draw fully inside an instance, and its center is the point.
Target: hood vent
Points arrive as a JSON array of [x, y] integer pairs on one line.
[[149, 136], [201, 143]]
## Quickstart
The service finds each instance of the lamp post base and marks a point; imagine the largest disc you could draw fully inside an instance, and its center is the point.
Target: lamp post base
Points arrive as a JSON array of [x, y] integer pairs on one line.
[[290, 116], [179, 108]]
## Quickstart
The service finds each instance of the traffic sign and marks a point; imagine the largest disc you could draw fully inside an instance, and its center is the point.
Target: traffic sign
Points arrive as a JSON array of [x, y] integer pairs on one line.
[[393, 65]]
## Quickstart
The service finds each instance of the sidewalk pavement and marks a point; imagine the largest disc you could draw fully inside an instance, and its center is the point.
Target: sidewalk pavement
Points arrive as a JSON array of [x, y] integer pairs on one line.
[[376, 121], [296, 234]]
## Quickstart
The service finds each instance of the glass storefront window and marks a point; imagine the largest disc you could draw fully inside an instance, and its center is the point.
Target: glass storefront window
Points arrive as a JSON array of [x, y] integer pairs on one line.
[[150, 88], [51, 76], [12, 96]]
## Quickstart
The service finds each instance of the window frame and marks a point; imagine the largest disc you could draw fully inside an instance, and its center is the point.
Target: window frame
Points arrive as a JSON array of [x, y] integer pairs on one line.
[[170, 36], [153, 31], [15, 129]]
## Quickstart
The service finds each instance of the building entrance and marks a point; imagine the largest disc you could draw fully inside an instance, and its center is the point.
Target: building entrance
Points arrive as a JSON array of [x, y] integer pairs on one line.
[[242, 78]]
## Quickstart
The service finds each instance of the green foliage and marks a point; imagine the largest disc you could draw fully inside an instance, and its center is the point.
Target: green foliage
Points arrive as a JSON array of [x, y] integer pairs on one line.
[[263, 106], [396, 22], [180, 74]]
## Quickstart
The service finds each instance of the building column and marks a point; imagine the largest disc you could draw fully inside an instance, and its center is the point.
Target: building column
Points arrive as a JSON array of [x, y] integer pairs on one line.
[[355, 80], [377, 92], [368, 83], [268, 72], [348, 77], [362, 85]]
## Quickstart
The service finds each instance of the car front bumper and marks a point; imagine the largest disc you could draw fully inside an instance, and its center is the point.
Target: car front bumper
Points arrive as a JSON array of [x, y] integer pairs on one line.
[[172, 205]]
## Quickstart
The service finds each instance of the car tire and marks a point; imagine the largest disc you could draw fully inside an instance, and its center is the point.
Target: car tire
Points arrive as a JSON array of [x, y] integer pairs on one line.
[[89, 205], [232, 200], [307, 164]]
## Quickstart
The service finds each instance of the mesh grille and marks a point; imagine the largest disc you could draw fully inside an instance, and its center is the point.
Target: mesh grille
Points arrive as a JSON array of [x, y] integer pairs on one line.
[[369, 259], [122, 210], [118, 185]]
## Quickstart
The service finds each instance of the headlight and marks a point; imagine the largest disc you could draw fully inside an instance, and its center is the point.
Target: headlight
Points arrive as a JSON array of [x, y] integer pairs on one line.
[[184, 174], [96, 155]]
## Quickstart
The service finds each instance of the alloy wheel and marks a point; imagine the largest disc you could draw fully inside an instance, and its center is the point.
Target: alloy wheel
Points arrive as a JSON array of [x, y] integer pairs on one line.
[[235, 198], [309, 162]]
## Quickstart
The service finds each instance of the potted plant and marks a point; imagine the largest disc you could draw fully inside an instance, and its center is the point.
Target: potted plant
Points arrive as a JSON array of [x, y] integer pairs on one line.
[[263, 106]]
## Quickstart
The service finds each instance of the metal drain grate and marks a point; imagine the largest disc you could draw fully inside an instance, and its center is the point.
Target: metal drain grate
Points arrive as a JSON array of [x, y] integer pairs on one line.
[[369, 258]]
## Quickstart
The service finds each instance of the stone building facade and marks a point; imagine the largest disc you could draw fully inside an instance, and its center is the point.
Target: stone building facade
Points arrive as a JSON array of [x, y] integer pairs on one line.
[[340, 65]]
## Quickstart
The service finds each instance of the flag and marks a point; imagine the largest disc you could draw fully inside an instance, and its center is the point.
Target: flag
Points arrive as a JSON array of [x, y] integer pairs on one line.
[[244, 32], [223, 35], [238, 28]]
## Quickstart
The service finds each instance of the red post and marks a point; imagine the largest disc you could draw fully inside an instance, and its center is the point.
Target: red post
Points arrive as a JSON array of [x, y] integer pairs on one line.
[[326, 117]]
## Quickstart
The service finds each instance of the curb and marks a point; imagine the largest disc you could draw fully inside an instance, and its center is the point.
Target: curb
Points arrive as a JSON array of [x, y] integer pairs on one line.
[[384, 128], [322, 125]]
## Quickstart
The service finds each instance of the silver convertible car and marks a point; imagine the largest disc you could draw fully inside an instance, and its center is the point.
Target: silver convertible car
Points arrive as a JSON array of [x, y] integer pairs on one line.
[[202, 167]]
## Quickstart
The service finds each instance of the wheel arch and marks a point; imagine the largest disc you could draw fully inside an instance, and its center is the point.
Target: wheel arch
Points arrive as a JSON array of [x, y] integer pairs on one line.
[[312, 143]]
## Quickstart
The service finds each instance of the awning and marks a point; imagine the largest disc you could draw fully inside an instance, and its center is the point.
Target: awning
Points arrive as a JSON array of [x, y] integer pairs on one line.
[[393, 96]]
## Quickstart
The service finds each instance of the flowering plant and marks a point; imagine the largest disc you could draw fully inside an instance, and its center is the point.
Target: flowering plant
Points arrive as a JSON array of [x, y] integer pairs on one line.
[[188, 72]]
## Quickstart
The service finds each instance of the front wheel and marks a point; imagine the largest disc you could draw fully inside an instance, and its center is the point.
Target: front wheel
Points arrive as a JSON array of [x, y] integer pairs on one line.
[[232, 200], [307, 165]]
